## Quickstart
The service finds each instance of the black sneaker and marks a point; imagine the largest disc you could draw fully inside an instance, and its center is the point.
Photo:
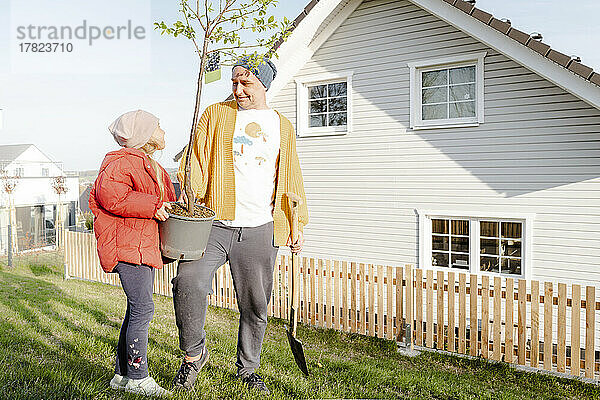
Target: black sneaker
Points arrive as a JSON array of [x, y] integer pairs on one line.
[[255, 382], [186, 376]]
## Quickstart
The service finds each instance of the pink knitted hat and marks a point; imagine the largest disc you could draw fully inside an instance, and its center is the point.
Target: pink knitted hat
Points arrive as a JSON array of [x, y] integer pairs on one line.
[[134, 128]]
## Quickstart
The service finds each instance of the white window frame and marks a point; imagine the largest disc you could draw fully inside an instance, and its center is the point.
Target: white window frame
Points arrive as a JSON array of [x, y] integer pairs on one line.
[[459, 60], [302, 111], [425, 217]]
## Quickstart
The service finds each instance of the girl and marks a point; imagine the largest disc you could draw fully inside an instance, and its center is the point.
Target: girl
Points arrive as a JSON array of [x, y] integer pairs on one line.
[[127, 199]]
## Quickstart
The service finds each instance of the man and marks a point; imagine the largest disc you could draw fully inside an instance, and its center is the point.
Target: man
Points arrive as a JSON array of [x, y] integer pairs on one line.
[[244, 161]]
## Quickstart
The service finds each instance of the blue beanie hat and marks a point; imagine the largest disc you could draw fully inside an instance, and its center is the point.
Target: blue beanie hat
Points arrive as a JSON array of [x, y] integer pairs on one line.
[[265, 71]]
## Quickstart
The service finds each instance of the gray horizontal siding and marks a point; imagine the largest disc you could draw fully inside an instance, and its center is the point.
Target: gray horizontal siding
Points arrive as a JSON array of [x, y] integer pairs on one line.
[[538, 151]]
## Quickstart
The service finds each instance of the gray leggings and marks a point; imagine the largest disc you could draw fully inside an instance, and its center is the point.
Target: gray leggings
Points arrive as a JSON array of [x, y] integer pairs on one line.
[[251, 255], [137, 282]]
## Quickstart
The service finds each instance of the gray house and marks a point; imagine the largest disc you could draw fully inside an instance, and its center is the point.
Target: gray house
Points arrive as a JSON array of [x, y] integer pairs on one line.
[[432, 133]]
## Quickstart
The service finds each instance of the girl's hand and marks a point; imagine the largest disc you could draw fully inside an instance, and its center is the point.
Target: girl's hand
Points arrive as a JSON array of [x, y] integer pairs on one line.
[[161, 213]]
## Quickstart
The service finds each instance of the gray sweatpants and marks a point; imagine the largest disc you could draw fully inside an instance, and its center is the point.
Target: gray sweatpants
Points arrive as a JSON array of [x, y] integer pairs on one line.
[[251, 255]]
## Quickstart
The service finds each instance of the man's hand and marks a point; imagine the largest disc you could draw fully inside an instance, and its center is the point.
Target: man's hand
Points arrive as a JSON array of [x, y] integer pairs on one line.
[[296, 247], [183, 199], [161, 213]]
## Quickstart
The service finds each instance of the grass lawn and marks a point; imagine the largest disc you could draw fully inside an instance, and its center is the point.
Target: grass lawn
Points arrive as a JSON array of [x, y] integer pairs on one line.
[[57, 341]]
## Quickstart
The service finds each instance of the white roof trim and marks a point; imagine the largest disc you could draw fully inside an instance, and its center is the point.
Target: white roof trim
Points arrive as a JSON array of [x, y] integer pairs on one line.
[[300, 46], [297, 50], [514, 50]]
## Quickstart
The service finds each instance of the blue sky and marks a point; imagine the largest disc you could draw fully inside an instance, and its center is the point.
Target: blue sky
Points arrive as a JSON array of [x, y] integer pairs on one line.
[[66, 114]]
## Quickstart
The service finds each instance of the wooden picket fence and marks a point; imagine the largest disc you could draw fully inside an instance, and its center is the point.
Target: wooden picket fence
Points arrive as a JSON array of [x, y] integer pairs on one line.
[[545, 325], [82, 262]]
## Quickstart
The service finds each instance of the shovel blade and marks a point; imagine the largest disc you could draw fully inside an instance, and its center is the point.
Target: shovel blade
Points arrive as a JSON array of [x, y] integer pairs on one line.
[[297, 351]]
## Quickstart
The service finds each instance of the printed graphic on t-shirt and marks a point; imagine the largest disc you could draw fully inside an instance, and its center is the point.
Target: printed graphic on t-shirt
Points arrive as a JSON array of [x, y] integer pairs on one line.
[[256, 141], [247, 150]]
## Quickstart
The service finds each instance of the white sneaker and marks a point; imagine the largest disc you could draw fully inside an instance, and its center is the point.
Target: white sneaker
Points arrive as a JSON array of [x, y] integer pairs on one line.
[[146, 386], [118, 382]]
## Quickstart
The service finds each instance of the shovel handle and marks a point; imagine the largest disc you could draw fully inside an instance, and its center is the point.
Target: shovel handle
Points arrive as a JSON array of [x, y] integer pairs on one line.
[[294, 201]]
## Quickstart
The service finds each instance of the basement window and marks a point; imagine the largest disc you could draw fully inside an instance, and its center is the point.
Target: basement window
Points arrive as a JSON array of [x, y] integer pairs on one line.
[[482, 244], [501, 247]]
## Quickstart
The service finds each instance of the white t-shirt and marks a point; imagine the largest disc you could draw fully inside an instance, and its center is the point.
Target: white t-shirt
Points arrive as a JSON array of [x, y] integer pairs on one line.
[[255, 151]]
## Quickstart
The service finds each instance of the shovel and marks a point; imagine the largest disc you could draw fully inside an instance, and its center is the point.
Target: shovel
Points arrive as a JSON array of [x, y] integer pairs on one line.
[[295, 344]]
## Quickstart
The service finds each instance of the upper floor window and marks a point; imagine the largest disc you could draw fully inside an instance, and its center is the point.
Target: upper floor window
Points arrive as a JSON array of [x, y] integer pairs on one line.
[[447, 92], [328, 104], [19, 171], [324, 104], [45, 172]]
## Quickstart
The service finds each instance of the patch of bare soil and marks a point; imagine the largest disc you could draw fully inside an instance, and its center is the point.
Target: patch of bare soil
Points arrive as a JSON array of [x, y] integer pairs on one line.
[[199, 211]]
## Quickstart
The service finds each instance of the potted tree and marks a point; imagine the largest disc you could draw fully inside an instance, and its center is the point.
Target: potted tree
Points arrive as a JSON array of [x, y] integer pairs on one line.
[[221, 31]]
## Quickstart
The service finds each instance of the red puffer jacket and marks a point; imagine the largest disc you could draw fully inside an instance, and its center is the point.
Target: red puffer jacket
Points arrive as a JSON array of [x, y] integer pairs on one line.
[[124, 200]]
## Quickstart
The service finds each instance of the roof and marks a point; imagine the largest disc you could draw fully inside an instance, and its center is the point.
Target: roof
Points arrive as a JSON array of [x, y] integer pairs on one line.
[[570, 63], [83, 199], [504, 26], [10, 152], [321, 18]]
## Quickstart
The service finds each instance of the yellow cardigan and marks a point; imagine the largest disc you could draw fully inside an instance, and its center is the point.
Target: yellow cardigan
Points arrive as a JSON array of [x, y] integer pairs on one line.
[[212, 172]]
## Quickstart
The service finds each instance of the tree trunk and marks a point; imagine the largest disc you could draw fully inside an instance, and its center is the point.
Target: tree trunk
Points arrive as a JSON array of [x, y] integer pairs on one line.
[[187, 186]]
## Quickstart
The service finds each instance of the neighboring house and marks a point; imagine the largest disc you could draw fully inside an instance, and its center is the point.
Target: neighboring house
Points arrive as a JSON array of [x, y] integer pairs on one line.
[[431, 133], [84, 197], [34, 201]]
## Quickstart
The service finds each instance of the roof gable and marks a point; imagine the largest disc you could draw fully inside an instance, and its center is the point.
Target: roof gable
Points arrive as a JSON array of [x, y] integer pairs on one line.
[[320, 18], [25, 154], [10, 152]]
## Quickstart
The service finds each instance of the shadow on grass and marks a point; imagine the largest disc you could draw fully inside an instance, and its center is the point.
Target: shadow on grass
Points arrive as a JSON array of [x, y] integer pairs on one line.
[[39, 352], [45, 349]]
